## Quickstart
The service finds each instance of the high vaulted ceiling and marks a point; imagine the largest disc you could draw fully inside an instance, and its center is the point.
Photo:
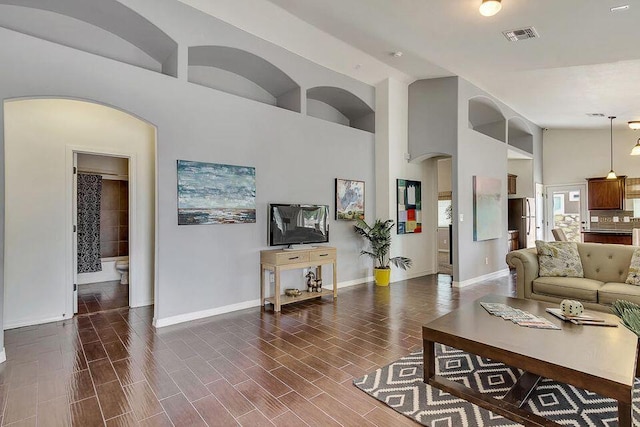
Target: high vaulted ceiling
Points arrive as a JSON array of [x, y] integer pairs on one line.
[[586, 60]]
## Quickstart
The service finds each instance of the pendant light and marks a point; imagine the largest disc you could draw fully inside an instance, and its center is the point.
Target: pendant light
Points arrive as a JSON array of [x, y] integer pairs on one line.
[[612, 174], [635, 151], [490, 7]]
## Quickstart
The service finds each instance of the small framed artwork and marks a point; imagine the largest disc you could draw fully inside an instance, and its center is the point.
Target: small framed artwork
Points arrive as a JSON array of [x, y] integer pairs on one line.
[[349, 199], [409, 206], [213, 193]]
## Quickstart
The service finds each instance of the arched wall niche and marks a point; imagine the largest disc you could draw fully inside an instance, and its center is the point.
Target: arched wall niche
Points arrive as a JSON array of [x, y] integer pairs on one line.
[[340, 106], [106, 28], [485, 117], [519, 134], [244, 74]]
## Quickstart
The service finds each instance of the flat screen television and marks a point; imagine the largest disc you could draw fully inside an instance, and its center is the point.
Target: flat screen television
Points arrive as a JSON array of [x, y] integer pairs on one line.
[[291, 224]]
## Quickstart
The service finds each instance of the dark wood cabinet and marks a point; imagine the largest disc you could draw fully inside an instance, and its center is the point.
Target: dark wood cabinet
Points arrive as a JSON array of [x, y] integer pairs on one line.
[[618, 239], [514, 243], [606, 193], [511, 184]]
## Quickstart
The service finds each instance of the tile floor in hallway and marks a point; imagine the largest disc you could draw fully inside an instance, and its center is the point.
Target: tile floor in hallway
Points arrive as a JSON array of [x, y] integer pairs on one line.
[[249, 368], [95, 297]]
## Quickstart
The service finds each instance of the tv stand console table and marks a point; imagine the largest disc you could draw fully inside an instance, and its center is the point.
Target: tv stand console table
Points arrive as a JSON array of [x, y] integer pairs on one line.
[[278, 260]]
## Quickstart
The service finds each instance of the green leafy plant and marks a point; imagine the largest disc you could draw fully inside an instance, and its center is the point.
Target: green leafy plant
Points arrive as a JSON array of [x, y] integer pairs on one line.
[[379, 237], [629, 313]]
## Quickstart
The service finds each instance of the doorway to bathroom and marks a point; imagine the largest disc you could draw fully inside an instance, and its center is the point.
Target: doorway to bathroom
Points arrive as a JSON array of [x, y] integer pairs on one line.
[[101, 238]]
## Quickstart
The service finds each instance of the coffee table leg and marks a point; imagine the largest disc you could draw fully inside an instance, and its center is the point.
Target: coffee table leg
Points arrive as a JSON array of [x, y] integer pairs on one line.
[[624, 415], [429, 359]]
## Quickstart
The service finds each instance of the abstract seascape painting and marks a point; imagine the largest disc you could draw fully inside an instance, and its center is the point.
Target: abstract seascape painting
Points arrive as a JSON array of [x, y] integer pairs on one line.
[[212, 193], [409, 206], [487, 208], [349, 199]]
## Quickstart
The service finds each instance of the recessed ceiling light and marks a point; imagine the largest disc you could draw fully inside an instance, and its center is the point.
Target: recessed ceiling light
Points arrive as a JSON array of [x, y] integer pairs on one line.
[[620, 8], [397, 54]]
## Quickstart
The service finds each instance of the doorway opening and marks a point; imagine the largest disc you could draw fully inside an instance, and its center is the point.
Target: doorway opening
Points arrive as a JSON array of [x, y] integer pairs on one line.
[[445, 213], [566, 210], [101, 241]]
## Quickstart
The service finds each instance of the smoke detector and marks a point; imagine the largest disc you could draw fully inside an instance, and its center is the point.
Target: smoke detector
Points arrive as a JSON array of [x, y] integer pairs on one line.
[[521, 34]]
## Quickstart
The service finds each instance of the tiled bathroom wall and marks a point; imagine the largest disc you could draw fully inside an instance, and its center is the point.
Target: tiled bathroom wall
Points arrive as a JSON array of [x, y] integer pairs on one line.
[[114, 218]]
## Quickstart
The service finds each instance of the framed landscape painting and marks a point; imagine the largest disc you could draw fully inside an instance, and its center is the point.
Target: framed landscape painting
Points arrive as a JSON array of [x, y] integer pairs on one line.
[[349, 199], [409, 206], [213, 193], [487, 208]]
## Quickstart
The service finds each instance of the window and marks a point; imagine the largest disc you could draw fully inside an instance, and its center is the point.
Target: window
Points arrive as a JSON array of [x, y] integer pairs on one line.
[[444, 213], [558, 203]]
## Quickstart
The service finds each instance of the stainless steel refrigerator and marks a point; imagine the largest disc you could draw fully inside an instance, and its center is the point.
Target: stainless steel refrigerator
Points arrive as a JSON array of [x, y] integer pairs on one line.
[[522, 217]]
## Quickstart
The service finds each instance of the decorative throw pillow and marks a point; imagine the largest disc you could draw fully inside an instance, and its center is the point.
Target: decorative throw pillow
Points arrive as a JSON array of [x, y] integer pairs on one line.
[[559, 259], [633, 278]]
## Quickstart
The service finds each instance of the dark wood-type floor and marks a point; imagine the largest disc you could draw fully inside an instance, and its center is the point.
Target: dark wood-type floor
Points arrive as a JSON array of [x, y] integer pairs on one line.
[[250, 368], [95, 297]]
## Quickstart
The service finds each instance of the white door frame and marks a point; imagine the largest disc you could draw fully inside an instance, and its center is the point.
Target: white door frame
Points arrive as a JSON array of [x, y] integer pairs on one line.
[[71, 152], [548, 189]]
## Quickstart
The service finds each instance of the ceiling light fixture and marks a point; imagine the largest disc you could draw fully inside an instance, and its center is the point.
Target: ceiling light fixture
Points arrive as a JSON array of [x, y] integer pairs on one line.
[[490, 7], [612, 174], [634, 124], [619, 8], [635, 151]]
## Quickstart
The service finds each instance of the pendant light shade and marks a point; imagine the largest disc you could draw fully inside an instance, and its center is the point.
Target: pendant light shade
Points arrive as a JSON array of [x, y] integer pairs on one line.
[[635, 151], [490, 7], [612, 174]]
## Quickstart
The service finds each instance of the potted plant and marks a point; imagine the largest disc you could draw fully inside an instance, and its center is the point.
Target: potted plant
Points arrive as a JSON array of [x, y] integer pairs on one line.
[[379, 236]]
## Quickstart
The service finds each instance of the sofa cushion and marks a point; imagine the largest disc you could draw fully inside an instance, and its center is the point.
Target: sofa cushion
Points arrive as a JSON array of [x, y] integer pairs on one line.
[[559, 259], [633, 278], [605, 262], [610, 292], [568, 287]]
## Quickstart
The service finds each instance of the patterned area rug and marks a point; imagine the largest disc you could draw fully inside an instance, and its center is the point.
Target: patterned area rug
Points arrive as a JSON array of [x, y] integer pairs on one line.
[[400, 386]]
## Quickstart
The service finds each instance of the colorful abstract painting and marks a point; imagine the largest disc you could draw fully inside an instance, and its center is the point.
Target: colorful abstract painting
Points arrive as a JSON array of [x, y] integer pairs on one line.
[[212, 193], [349, 199], [487, 208], [409, 206]]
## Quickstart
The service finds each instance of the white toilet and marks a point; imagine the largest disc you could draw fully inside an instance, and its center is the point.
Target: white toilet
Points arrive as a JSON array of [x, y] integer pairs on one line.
[[123, 269]]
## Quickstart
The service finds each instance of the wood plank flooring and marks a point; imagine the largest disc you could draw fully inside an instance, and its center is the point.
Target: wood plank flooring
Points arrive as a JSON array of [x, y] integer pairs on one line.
[[95, 297], [249, 368]]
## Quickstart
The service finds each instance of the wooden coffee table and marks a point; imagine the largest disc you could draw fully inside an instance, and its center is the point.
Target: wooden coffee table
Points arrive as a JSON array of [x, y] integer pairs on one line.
[[595, 358]]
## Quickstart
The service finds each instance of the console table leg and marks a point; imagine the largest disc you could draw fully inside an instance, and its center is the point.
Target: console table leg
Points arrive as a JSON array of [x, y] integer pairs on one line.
[[624, 415], [335, 280], [262, 286], [276, 306]]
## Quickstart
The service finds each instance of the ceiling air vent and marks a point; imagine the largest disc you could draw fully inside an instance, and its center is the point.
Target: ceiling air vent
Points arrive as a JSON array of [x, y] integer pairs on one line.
[[521, 34]]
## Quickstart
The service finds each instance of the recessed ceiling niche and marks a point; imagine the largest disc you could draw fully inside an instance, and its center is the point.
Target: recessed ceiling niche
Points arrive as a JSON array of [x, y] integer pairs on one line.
[[340, 106], [244, 74], [485, 117], [519, 135], [106, 28]]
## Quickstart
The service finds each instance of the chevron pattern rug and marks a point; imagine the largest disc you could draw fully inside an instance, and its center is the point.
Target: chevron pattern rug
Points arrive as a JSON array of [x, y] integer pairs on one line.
[[400, 386]]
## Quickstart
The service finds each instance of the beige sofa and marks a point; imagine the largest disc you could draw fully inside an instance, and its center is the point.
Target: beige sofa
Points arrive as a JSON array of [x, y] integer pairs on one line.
[[605, 271]]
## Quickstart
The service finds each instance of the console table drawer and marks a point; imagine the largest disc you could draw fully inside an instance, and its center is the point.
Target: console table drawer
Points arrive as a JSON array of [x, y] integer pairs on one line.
[[291, 258], [322, 255]]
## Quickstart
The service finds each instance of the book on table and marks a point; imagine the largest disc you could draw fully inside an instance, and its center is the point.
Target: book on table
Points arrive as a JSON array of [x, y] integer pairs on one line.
[[583, 319]]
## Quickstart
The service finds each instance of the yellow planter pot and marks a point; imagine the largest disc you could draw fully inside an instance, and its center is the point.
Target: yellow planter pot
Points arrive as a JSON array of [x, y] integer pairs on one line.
[[382, 276]]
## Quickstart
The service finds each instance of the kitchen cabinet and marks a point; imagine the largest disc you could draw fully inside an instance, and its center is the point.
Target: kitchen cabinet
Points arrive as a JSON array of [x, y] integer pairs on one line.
[[603, 237], [511, 183], [513, 243], [606, 193]]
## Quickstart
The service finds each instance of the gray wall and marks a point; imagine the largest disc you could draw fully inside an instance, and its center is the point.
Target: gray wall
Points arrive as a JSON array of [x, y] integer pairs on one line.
[[296, 157]]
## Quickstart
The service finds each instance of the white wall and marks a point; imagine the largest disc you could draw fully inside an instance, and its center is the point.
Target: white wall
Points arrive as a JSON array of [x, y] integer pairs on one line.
[[444, 174], [524, 183], [39, 135], [571, 155], [103, 164], [391, 146]]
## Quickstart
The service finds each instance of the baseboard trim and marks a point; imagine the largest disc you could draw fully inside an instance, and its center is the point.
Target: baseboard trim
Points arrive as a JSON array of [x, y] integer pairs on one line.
[[187, 317], [474, 280], [143, 304], [348, 283], [13, 325]]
